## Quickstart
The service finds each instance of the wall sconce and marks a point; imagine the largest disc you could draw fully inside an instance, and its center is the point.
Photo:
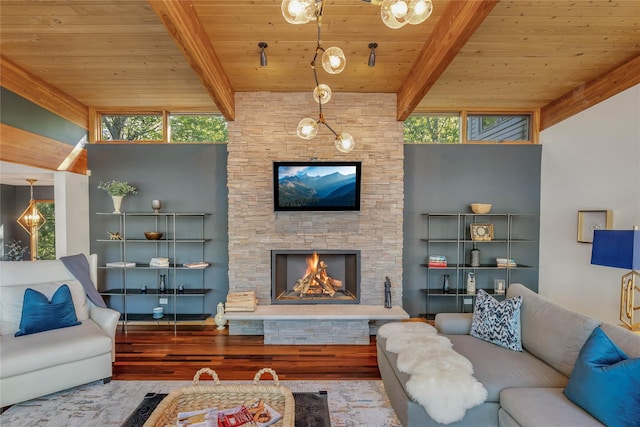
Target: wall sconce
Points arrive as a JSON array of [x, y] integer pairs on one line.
[[372, 54], [31, 220], [263, 54]]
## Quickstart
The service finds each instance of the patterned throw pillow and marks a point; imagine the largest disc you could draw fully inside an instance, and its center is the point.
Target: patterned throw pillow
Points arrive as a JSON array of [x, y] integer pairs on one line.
[[497, 322]]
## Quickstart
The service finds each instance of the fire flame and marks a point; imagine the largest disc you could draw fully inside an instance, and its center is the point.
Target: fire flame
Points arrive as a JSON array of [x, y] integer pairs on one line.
[[312, 264], [316, 279]]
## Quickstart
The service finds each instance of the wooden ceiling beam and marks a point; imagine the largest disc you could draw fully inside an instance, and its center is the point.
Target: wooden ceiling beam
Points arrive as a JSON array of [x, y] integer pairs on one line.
[[36, 90], [26, 148], [458, 22], [591, 93], [182, 22]]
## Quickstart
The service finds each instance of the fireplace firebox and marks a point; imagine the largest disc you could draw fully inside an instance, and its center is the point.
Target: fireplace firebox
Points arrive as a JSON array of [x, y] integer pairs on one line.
[[315, 277]]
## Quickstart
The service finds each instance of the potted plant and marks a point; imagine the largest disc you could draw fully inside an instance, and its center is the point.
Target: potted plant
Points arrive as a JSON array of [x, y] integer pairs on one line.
[[16, 251], [117, 190]]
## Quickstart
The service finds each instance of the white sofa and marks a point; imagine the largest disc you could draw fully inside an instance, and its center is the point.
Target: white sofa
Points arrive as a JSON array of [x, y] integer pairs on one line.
[[45, 362]]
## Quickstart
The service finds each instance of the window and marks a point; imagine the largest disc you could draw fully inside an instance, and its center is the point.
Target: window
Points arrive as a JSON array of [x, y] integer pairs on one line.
[[46, 243], [197, 128], [130, 127], [433, 128], [482, 127], [466, 127], [157, 127]]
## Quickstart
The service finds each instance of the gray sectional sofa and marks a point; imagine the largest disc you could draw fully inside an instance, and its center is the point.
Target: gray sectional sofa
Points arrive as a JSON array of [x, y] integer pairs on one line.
[[524, 388]]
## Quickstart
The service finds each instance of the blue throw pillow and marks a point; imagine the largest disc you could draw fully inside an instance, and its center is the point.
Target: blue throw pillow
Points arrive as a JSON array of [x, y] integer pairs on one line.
[[39, 314], [497, 322], [605, 382]]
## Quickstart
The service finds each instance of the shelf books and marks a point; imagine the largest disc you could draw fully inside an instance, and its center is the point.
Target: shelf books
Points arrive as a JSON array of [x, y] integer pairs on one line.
[[159, 262], [241, 301], [437, 261], [505, 262], [121, 264], [200, 264]]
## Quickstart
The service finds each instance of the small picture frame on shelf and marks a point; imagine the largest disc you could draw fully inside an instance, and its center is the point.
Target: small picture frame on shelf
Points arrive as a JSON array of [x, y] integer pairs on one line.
[[481, 232], [591, 220], [499, 286]]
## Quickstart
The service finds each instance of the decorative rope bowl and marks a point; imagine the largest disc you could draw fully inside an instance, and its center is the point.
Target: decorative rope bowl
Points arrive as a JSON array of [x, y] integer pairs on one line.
[[481, 208]]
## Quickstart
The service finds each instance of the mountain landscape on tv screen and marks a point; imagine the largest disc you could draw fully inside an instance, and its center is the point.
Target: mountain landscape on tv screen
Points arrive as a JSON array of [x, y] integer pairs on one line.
[[302, 190]]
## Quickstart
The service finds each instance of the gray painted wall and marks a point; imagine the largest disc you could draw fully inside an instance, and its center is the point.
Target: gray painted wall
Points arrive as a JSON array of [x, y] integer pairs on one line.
[[24, 114], [186, 178], [447, 178]]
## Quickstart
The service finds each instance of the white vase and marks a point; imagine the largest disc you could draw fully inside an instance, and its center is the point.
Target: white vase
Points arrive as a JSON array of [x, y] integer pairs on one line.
[[117, 202], [219, 317]]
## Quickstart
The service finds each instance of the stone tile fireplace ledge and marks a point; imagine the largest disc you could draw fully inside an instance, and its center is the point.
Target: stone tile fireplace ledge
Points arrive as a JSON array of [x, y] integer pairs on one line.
[[313, 324]]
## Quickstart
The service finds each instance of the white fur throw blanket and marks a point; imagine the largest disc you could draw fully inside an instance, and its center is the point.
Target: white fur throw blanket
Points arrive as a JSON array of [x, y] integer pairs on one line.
[[441, 380]]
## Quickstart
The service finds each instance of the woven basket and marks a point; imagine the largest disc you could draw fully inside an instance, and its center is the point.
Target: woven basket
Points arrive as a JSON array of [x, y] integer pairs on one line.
[[195, 397]]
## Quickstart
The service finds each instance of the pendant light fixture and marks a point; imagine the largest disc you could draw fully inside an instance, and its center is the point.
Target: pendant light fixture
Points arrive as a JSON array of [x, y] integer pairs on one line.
[[394, 13], [333, 62], [31, 220]]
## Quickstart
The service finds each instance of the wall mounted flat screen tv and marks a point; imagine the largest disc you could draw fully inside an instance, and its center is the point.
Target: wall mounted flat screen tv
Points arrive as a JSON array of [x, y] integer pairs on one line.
[[316, 186]]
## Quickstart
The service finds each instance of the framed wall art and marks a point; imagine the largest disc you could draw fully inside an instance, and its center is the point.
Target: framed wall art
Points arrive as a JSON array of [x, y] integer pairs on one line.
[[590, 220], [481, 232]]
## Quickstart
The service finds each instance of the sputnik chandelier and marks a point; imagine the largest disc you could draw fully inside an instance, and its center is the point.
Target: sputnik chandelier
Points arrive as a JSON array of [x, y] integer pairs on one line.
[[394, 13]]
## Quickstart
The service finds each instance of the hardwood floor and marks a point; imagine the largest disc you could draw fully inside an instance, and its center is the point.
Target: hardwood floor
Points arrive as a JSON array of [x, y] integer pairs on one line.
[[147, 353]]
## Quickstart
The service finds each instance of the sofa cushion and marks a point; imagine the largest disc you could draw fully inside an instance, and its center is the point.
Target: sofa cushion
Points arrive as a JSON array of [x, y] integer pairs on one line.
[[543, 407], [551, 332], [51, 348], [11, 299], [498, 368], [40, 315], [497, 322], [606, 382]]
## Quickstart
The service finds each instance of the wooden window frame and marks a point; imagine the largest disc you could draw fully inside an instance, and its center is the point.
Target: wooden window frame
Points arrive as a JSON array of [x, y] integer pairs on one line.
[[464, 113], [95, 122]]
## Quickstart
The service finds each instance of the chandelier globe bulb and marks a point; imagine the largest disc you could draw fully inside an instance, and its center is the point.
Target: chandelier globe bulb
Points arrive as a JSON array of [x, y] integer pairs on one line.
[[396, 13], [333, 60], [298, 11], [421, 11], [345, 142], [322, 94], [307, 128]]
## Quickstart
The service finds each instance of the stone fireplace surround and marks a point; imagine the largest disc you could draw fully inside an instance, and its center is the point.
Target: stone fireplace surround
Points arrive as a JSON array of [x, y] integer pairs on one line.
[[264, 132]]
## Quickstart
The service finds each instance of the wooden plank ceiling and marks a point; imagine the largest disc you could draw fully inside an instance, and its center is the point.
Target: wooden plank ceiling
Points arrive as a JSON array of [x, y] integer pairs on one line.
[[523, 54]]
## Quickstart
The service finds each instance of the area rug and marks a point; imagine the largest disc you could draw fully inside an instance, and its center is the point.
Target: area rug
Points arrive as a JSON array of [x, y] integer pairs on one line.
[[351, 403]]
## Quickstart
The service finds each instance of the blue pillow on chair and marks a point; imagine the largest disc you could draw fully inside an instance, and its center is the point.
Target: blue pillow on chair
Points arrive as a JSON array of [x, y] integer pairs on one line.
[[39, 314], [605, 382]]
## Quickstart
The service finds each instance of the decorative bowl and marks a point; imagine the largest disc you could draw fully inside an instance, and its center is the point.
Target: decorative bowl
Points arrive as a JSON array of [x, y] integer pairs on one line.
[[481, 208], [152, 235]]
